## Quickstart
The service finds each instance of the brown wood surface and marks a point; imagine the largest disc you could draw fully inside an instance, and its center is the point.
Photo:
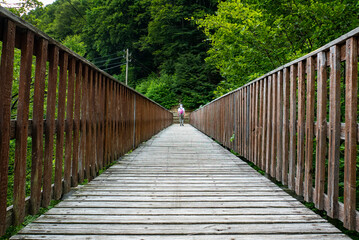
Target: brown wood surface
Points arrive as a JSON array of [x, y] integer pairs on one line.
[[69, 125], [6, 74], [60, 133], [89, 141], [321, 139], [301, 129], [264, 123], [269, 125], [38, 126], [97, 123], [256, 123], [33, 44], [50, 125], [260, 126], [350, 156], [279, 139], [273, 101], [309, 131], [292, 127], [252, 121], [334, 132], [77, 112], [20, 166], [93, 124], [241, 121], [285, 142], [83, 126]]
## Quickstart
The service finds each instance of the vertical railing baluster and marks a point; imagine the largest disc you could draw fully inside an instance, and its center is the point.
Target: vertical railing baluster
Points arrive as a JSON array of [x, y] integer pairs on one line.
[[27, 46]]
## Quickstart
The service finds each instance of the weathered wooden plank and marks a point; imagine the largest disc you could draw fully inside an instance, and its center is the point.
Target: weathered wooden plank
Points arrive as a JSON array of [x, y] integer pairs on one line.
[[77, 145], [292, 126], [99, 192], [187, 219], [309, 131], [88, 151], [163, 229], [215, 189], [285, 141], [301, 129], [264, 124], [252, 110], [334, 132], [172, 204], [98, 122], [38, 126], [350, 156], [6, 76], [103, 107], [50, 125], [321, 146], [82, 154], [27, 46], [107, 121], [60, 125], [179, 198], [273, 100], [69, 125], [92, 131], [189, 237], [260, 126], [279, 122], [181, 211], [269, 125]]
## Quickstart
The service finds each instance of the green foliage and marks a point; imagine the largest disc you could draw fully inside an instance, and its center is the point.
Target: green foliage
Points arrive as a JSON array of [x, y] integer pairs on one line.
[[61, 19], [250, 37], [11, 169], [232, 137], [75, 43], [160, 90]]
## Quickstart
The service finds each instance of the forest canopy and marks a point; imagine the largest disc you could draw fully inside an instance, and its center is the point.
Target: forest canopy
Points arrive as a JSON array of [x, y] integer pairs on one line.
[[192, 51]]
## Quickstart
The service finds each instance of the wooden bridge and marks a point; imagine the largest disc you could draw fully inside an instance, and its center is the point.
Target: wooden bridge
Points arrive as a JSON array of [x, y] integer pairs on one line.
[[297, 123], [180, 185]]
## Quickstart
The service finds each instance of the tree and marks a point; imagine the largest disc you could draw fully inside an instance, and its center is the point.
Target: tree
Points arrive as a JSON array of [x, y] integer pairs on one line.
[[251, 37]]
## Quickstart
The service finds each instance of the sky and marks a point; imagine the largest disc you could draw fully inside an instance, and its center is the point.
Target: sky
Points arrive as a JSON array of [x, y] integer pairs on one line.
[[45, 2]]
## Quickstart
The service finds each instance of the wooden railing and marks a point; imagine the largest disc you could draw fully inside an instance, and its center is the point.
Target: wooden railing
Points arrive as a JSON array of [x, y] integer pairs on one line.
[[288, 123], [94, 118]]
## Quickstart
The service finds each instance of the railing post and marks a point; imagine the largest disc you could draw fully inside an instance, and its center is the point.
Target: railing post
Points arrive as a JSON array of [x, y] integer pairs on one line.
[[351, 128], [134, 122], [6, 75], [27, 46], [334, 132]]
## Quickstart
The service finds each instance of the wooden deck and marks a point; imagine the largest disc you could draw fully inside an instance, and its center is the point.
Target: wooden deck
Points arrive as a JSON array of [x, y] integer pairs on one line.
[[180, 185]]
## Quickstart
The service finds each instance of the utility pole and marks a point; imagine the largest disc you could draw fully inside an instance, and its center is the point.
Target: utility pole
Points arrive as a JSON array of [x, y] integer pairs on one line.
[[126, 65]]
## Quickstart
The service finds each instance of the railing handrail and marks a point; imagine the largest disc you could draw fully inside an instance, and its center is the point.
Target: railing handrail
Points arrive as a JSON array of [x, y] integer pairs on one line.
[[279, 120], [22, 23], [98, 119]]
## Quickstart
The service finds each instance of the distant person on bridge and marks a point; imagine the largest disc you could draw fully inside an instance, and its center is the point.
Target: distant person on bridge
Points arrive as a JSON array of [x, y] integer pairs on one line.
[[181, 113]]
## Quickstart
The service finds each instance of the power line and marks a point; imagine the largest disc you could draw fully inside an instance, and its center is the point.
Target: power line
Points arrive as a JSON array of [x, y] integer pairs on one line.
[[104, 56], [109, 65], [114, 66], [148, 69], [110, 59], [77, 10]]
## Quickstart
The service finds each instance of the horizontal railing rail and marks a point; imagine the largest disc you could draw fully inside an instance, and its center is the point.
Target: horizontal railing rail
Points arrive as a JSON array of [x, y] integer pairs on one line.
[[85, 121], [299, 123]]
